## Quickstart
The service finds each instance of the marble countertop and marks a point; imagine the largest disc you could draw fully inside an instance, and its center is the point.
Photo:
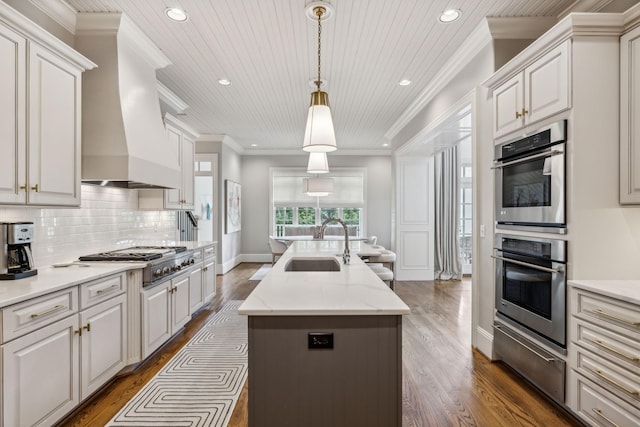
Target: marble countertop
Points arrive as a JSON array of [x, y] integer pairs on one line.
[[50, 279], [354, 290], [626, 290]]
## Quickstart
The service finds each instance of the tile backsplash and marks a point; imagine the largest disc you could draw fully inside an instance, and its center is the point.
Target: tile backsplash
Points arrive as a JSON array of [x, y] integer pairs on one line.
[[107, 219]]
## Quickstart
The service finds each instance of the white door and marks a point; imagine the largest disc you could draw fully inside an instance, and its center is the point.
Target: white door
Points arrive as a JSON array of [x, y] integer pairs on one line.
[[156, 317], [414, 220], [205, 199], [40, 375], [54, 130], [180, 307], [12, 110], [196, 297], [104, 343]]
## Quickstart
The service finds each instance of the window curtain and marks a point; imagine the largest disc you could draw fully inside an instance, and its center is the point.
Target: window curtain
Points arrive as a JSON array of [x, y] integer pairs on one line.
[[447, 264]]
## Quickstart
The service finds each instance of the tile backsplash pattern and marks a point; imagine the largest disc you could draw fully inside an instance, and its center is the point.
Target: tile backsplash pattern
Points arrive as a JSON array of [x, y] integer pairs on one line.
[[107, 219]]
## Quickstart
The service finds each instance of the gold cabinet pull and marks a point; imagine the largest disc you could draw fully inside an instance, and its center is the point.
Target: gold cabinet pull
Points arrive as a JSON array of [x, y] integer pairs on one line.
[[615, 350], [88, 327], [599, 412], [518, 115], [35, 188], [23, 187], [109, 289], [600, 374], [524, 111], [601, 312], [79, 332], [48, 311]]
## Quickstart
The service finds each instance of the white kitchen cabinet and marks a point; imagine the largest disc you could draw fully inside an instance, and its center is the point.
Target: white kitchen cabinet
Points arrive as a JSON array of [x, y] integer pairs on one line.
[[183, 143], [103, 343], [630, 117], [209, 273], [40, 375], [604, 349], [41, 92], [165, 310], [196, 291], [537, 92]]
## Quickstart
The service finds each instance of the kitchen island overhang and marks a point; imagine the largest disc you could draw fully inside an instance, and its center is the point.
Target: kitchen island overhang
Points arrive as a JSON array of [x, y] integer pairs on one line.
[[325, 347]]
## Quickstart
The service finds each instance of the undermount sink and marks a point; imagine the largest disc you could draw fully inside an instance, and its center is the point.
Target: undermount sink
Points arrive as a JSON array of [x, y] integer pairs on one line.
[[312, 264]]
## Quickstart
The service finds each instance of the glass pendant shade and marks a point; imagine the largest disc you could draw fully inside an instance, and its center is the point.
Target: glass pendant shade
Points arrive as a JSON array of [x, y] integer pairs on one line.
[[317, 186], [318, 163], [319, 136]]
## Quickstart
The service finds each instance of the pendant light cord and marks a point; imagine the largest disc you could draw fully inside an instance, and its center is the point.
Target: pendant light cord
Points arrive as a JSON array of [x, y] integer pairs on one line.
[[319, 12]]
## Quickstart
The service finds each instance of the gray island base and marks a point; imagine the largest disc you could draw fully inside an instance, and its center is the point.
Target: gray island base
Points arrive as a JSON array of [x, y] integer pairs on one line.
[[325, 347], [296, 379]]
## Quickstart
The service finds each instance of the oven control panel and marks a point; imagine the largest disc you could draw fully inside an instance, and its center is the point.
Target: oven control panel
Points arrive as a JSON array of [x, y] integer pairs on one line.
[[164, 270]]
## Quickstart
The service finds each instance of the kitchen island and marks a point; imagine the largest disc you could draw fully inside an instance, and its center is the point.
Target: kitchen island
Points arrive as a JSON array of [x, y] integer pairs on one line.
[[325, 347]]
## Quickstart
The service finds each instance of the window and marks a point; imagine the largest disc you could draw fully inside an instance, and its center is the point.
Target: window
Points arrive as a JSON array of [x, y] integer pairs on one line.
[[295, 213], [466, 215]]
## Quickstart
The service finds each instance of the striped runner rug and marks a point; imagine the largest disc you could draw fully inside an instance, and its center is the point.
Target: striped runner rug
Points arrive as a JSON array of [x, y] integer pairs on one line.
[[200, 385]]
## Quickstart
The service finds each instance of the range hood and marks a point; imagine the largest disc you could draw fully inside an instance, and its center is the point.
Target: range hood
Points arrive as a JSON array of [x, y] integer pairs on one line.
[[124, 142]]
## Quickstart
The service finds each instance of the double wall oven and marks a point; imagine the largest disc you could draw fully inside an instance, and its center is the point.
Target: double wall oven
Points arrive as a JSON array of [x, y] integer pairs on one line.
[[530, 270]]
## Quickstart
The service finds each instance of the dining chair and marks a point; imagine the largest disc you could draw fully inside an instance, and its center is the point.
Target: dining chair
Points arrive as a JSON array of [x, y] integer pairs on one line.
[[277, 248]]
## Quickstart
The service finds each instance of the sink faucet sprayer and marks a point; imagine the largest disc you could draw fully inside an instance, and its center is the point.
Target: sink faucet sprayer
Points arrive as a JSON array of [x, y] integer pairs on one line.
[[346, 256]]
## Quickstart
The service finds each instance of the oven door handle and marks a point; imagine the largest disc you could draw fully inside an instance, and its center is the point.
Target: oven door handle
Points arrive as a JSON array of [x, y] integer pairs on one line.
[[541, 356], [526, 264], [548, 153]]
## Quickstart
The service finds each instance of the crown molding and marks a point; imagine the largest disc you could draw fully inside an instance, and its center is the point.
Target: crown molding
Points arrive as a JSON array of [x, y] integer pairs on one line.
[[632, 17], [90, 24], [34, 32], [170, 98], [299, 152], [60, 11], [171, 119]]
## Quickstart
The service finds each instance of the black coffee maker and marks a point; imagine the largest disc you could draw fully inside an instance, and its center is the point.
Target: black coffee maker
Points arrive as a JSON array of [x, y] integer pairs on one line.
[[16, 261]]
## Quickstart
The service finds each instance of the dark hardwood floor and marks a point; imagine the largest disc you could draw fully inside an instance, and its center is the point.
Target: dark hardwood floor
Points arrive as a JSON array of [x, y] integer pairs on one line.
[[445, 381]]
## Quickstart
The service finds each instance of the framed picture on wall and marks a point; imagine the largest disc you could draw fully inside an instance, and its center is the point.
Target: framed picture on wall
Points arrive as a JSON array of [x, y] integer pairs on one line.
[[233, 199]]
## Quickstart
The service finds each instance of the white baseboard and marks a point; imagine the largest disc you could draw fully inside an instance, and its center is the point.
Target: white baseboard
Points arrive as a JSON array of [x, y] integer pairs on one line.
[[484, 342], [256, 258], [229, 265]]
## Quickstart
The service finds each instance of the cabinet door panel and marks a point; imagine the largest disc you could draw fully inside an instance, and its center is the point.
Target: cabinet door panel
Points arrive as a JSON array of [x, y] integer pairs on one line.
[[156, 318], [188, 178], [196, 298], [546, 85], [630, 117], [54, 130], [181, 309], [104, 343], [12, 111], [507, 101], [172, 196], [209, 280], [40, 375]]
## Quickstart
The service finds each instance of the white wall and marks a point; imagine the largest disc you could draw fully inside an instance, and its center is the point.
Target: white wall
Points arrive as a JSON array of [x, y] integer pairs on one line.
[[108, 218], [255, 196]]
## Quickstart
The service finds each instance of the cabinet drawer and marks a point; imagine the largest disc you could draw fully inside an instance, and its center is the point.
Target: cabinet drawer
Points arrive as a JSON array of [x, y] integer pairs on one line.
[[609, 345], [27, 316], [209, 252], [101, 290], [619, 381], [601, 408], [609, 313]]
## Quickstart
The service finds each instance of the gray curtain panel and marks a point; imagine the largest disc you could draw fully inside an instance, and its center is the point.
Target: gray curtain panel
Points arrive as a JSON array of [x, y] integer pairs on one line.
[[447, 264]]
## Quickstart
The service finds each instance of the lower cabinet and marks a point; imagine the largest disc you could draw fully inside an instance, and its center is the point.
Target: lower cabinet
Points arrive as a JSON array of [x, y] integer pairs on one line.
[[209, 279], [40, 375], [165, 310], [48, 371], [196, 292]]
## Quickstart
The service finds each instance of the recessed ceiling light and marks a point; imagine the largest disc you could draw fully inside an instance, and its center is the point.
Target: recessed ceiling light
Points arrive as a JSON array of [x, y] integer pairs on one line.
[[404, 82], [450, 15], [176, 14], [254, 145], [224, 82], [385, 145]]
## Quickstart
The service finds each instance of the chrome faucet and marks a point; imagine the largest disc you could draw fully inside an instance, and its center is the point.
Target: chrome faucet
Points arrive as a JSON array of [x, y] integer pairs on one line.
[[346, 256]]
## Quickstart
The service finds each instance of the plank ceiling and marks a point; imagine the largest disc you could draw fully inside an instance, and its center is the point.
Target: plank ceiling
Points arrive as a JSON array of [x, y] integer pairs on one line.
[[267, 48]]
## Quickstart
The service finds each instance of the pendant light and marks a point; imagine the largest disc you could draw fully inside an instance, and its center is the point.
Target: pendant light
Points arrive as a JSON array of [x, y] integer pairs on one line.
[[317, 186], [318, 163], [319, 136]]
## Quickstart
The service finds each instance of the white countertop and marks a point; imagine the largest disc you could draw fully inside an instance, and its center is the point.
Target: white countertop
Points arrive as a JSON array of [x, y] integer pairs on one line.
[[626, 290], [51, 279], [354, 290]]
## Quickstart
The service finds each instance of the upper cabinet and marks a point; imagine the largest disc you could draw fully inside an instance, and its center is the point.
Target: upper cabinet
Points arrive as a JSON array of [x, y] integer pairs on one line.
[[40, 83], [183, 143], [630, 117], [539, 91]]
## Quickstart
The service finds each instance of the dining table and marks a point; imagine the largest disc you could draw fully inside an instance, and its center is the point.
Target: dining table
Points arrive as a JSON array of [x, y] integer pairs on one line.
[[357, 244]]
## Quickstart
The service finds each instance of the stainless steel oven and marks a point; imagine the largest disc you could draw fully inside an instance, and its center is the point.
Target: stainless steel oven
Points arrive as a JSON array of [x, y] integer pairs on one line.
[[531, 284], [530, 179]]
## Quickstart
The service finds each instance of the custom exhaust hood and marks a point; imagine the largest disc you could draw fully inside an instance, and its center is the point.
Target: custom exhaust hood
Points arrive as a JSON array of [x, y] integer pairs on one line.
[[124, 142]]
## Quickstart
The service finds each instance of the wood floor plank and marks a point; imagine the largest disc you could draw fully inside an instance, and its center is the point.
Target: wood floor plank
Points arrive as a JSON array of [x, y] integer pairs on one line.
[[445, 381]]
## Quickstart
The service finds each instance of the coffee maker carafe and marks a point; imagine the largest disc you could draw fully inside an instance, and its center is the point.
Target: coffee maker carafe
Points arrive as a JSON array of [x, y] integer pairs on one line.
[[16, 261]]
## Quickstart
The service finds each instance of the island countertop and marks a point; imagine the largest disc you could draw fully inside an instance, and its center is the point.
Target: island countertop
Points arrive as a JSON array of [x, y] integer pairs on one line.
[[354, 290]]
